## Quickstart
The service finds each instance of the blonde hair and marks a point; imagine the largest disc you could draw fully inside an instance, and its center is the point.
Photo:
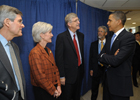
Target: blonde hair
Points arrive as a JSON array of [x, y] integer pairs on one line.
[[38, 28]]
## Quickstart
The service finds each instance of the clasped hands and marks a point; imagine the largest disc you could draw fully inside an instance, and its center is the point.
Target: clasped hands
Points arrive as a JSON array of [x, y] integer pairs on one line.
[[57, 92]]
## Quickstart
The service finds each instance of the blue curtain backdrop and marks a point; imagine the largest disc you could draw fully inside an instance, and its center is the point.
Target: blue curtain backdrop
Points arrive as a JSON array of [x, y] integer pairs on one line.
[[50, 11], [90, 19], [54, 12]]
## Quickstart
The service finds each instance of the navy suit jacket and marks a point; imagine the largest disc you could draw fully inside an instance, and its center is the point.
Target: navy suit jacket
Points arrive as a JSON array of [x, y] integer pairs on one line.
[[119, 72]]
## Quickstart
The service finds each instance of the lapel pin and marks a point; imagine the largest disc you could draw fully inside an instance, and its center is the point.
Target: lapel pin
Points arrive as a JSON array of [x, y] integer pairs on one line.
[[50, 51]]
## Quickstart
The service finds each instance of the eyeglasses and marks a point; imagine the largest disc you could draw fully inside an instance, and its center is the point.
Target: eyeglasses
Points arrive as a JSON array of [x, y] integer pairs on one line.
[[76, 20]]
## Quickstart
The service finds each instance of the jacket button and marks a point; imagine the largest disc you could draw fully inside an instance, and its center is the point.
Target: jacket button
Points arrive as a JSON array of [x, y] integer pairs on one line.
[[54, 72], [55, 80], [52, 64]]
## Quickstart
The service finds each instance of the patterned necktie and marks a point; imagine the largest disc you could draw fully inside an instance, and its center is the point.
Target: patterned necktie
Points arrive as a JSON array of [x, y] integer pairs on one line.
[[102, 45], [112, 40], [16, 68], [77, 51]]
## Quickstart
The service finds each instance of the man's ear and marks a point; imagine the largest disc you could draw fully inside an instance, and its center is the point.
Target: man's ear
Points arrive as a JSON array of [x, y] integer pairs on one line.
[[106, 34], [69, 24], [7, 22], [119, 22]]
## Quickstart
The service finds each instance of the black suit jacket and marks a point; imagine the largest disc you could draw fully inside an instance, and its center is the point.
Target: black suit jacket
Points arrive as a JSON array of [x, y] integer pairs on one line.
[[93, 59], [119, 74], [6, 72], [66, 57], [136, 57]]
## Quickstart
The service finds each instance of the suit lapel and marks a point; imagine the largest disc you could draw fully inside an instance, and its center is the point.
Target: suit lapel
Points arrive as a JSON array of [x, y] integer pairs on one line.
[[70, 40], [5, 60], [44, 53], [117, 38], [80, 41]]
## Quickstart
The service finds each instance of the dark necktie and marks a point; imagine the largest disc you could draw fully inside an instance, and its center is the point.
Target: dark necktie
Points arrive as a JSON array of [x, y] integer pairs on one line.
[[16, 68], [77, 51]]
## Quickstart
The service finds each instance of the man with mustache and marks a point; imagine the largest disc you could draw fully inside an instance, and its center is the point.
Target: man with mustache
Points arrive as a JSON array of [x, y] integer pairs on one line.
[[96, 69]]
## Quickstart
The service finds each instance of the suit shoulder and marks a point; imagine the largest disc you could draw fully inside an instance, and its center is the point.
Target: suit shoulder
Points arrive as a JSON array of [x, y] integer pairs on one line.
[[130, 35], [80, 33], [95, 42], [63, 33], [15, 45]]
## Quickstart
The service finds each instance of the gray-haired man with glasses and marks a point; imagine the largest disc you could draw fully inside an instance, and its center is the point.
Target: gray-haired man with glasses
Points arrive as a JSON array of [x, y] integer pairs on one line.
[[69, 56], [11, 71]]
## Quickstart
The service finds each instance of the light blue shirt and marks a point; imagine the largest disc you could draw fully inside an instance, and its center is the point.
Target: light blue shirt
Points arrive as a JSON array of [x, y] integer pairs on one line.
[[71, 34], [6, 47]]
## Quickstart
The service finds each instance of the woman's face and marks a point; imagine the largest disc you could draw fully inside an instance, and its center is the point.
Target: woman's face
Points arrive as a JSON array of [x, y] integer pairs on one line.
[[47, 36]]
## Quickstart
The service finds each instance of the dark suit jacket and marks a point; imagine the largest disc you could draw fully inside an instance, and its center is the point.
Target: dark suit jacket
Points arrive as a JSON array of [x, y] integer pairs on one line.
[[5, 93], [119, 74], [66, 57], [6, 72], [136, 57], [43, 70], [93, 59]]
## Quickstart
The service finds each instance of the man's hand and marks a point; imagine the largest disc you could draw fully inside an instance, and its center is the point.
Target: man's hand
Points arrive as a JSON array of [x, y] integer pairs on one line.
[[116, 52], [62, 81], [91, 72]]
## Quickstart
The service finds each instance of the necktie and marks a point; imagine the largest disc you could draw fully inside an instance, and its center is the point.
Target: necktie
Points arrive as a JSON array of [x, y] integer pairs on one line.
[[77, 51], [16, 67], [112, 40], [102, 45], [139, 43]]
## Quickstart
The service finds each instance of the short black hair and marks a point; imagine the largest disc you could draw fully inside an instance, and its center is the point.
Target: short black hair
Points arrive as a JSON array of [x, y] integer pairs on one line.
[[137, 33], [120, 15]]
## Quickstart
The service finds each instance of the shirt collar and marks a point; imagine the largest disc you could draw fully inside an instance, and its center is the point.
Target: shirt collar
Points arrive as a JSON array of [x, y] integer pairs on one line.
[[3, 40], [103, 41], [119, 31], [137, 41], [71, 33]]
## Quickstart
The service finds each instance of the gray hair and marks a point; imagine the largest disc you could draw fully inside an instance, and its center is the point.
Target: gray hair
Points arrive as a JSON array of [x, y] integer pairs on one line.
[[8, 12], [38, 28], [103, 27], [119, 15], [69, 17]]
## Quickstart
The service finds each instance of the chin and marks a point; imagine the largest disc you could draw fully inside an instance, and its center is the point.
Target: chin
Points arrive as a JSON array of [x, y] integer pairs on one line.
[[19, 35], [78, 28]]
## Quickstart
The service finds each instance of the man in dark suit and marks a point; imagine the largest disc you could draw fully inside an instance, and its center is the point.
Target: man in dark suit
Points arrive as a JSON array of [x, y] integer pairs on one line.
[[117, 57], [11, 71], [69, 56], [136, 59], [96, 69]]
